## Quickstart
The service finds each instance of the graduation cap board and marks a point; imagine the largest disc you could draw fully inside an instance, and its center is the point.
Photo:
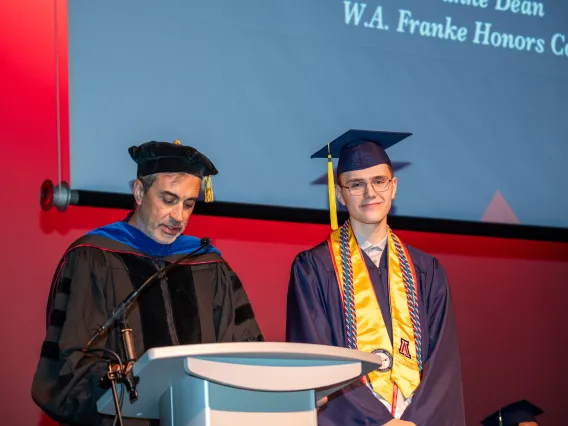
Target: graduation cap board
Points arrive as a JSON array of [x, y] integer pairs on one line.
[[165, 157], [513, 414], [356, 150]]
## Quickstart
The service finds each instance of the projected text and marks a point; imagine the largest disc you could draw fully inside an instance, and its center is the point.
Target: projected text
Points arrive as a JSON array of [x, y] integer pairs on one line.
[[483, 33]]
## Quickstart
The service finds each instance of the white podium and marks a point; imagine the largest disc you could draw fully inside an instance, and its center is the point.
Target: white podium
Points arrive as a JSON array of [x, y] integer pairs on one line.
[[239, 384]]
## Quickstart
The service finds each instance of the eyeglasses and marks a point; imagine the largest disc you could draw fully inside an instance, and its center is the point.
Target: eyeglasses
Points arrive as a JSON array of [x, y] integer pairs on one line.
[[359, 187]]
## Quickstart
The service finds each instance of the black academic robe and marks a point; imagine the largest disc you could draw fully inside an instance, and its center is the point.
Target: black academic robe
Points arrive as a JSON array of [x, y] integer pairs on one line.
[[202, 301], [315, 315]]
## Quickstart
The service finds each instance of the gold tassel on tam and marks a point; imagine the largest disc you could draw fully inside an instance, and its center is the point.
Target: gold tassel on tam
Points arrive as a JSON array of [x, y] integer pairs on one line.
[[208, 187], [331, 191]]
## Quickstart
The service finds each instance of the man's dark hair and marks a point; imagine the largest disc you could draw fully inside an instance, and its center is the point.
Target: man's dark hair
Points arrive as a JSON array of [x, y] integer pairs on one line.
[[147, 182]]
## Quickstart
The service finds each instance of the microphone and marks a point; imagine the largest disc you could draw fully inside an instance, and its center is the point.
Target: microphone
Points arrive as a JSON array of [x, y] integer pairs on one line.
[[122, 308]]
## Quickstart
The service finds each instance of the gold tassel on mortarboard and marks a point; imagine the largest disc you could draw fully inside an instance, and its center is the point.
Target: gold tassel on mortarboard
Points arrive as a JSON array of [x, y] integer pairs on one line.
[[331, 191], [207, 184], [208, 187]]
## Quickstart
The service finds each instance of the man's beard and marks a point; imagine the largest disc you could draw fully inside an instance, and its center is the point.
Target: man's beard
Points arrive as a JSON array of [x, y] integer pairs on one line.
[[145, 224], [151, 228]]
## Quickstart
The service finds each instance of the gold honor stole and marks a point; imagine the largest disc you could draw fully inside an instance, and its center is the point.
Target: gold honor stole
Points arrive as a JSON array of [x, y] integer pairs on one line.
[[366, 330]]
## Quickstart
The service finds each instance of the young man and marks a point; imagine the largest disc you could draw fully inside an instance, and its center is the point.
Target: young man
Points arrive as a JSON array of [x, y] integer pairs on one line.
[[365, 289], [201, 300]]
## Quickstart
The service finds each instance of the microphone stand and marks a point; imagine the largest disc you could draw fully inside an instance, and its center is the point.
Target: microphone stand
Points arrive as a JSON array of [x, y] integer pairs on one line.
[[124, 375]]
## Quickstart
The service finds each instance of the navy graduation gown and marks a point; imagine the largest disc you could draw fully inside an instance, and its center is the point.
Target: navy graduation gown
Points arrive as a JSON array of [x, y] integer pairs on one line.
[[315, 315]]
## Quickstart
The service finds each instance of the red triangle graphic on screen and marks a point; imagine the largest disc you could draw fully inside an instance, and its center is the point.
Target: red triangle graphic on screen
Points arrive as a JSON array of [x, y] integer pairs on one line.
[[499, 211]]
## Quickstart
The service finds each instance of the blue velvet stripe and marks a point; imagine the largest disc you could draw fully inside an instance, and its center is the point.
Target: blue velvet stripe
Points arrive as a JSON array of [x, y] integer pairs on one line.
[[133, 237]]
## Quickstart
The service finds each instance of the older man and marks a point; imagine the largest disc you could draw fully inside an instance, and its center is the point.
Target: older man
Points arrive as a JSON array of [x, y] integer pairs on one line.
[[200, 301], [364, 289]]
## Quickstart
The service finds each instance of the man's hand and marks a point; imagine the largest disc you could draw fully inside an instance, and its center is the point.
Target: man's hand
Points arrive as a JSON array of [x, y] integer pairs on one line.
[[321, 402], [396, 422]]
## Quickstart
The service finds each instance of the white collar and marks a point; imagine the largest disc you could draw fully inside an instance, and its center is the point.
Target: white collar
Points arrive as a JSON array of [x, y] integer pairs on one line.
[[367, 246]]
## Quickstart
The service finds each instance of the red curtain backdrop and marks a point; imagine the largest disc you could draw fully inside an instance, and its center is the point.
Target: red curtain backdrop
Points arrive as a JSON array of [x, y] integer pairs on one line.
[[509, 295]]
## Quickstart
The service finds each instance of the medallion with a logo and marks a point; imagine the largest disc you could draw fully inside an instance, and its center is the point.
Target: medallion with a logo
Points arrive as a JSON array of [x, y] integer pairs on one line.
[[385, 358]]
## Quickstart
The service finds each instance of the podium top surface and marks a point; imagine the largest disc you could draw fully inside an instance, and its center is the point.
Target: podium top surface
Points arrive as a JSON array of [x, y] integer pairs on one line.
[[258, 350], [257, 366]]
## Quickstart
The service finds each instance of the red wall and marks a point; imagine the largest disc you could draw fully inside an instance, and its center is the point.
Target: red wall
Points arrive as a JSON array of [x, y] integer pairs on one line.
[[508, 294]]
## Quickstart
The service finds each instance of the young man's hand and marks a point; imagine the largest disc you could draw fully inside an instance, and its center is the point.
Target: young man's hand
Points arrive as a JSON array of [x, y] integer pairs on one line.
[[321, 402]]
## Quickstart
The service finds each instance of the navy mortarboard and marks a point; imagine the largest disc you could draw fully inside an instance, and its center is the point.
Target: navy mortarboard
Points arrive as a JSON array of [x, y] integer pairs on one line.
[[356, 150], [165, 157], [514, 414]]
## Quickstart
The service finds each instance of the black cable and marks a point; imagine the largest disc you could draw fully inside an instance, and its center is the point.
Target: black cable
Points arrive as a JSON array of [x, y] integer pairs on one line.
[[118, 406], [109, 351]]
